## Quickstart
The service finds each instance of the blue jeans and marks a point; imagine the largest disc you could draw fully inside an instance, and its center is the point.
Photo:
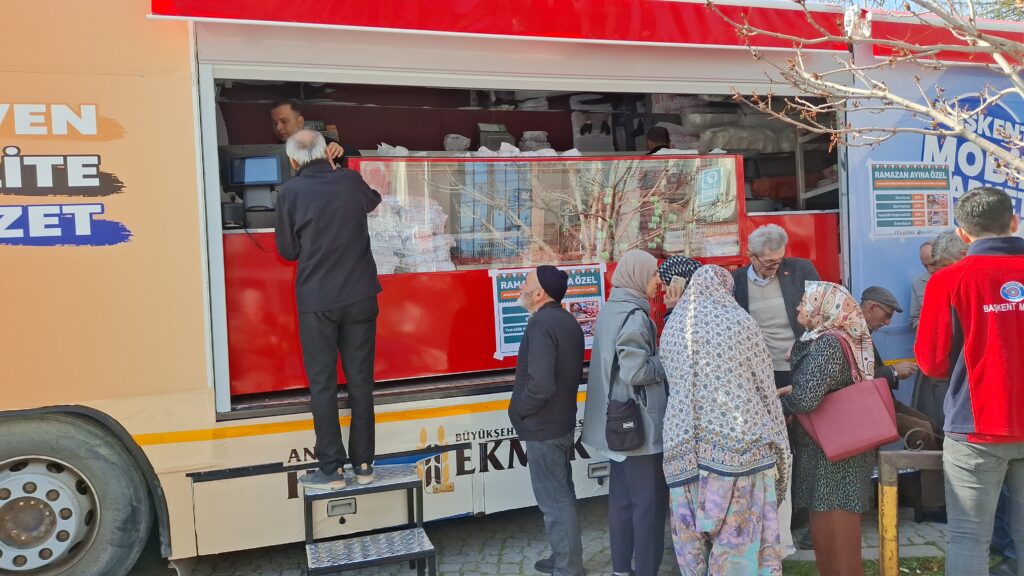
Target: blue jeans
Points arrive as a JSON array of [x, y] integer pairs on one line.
[[551, 476], [975, 474], [1002, 538]]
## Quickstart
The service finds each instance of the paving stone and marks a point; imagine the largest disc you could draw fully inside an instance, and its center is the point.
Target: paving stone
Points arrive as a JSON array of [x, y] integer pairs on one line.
[[509, 543]]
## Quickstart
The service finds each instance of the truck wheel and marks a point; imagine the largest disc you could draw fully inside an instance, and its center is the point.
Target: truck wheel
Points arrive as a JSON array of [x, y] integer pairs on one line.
[[72, 501]]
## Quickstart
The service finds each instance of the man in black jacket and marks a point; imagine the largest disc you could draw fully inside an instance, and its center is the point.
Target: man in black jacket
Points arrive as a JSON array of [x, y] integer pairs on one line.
[[543, 412], [321, 223], [879, 305], [770, 289]]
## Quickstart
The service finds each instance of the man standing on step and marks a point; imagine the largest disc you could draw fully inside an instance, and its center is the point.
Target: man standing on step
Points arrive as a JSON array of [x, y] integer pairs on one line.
[[321, 223], [543, 412]]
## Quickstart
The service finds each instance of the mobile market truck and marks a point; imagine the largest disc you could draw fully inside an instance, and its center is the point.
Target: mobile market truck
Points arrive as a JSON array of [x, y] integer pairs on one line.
[[153, 376]]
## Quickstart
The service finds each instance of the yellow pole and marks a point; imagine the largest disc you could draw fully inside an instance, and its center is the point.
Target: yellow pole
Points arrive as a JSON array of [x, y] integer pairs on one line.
[[888, 519]]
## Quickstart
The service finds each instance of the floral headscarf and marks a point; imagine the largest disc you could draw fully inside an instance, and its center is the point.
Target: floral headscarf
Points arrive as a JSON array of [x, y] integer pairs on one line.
[[723, 415], [681, 266], [830, 308]]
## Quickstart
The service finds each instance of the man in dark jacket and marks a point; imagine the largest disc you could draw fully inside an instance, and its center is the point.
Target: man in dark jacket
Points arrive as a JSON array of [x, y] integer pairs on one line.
[[770, 289], [321, 223], [543, 412], [879, 305]]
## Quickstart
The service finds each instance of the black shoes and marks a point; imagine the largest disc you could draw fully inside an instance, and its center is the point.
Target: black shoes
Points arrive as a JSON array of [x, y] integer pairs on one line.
[[364, 473]]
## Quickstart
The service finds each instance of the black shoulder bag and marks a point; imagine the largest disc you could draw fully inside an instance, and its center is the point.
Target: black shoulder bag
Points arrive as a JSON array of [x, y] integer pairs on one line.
[[624, 430]]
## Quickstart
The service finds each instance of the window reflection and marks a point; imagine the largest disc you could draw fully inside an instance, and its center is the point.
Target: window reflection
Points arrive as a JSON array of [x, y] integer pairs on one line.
[[469, 213]]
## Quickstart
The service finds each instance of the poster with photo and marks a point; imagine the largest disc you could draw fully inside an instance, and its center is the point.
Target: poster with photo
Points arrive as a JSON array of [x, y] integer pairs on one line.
[[910, 198], [583, 299]]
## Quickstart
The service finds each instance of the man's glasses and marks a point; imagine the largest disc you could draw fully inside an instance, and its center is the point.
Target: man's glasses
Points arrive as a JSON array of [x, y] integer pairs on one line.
[[766, 263]]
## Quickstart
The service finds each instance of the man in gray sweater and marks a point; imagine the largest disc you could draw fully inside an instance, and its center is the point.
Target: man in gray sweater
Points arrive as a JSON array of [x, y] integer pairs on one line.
[[770, 289], [543, 412]]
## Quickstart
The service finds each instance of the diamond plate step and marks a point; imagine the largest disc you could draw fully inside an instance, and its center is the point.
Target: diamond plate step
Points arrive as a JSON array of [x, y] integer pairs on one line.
[[385, 479], [363, 551]]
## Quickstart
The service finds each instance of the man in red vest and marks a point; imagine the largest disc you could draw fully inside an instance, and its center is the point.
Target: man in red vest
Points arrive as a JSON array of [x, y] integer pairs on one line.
[[972, 331]]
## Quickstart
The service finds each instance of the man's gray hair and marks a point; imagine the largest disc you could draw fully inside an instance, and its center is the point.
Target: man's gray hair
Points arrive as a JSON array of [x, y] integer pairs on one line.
[[948, 246], [306, 146], [769, 237]]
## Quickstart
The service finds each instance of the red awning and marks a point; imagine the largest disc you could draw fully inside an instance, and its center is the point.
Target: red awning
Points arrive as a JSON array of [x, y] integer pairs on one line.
[[896, 27], [675, 22]]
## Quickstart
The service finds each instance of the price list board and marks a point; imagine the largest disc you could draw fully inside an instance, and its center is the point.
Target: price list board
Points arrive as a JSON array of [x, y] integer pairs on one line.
[[910, 199]]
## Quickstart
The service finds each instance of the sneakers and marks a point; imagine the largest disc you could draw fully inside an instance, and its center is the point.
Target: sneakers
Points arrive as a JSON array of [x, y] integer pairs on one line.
[[545, 566], [321, 481], [364, 473]]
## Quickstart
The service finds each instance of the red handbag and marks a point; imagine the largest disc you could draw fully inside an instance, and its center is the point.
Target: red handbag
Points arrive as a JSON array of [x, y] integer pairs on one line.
[[854, 419]]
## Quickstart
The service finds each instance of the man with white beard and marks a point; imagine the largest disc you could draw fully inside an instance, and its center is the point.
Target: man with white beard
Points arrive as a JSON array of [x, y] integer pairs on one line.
[[543, 411]]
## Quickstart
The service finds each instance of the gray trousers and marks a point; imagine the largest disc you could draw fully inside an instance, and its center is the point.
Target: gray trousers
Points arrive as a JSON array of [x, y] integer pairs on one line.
[[551, 476], [974, 477]]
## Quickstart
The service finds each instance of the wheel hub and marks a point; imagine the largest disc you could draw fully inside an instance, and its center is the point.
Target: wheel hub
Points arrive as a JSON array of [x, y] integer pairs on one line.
[[26, 522], [47, 508]]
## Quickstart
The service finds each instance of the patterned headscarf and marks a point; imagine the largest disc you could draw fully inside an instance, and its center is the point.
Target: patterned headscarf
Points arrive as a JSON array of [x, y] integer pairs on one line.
[[723, 415], [830, 308], [634, 271], [682, 266]]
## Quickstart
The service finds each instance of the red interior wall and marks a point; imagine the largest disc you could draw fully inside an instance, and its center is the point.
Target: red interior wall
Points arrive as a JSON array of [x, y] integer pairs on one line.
[[365, 127]]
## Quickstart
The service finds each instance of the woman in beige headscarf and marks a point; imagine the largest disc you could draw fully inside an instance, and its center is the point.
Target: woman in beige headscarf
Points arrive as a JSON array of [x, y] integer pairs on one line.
[[626, 336]]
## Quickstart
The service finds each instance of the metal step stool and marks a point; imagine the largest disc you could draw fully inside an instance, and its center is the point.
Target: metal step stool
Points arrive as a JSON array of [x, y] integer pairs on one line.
[[407, 543]]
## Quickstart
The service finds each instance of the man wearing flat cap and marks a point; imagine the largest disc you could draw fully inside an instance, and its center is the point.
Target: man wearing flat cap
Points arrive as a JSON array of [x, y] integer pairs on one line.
[[879, 305], [543, 411]]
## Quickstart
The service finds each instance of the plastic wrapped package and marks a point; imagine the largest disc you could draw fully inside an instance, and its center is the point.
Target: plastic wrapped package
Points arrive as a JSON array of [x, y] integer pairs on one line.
[[786, 138], [408, 235], [674, 103], [533, 145], [456, 143], [384, 149], [535, 135], [739, 137], [695, 123], [534, 104]]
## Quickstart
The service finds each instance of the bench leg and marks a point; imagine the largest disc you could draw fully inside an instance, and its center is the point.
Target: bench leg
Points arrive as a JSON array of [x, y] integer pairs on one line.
[[432, 565], [421, 565]]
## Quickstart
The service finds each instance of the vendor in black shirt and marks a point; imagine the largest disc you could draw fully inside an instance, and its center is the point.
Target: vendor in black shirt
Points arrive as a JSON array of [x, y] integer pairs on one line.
[[657, 139], [287, 118]]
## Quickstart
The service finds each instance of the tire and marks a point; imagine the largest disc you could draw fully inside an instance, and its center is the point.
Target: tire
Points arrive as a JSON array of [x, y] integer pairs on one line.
[[89, 511]]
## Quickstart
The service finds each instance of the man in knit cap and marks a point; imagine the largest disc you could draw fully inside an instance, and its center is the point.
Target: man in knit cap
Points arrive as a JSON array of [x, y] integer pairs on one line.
[[543, 412]]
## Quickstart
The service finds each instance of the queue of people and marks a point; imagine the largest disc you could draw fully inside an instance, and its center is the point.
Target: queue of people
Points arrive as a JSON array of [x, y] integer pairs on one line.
[[696, 427], [742, 353]]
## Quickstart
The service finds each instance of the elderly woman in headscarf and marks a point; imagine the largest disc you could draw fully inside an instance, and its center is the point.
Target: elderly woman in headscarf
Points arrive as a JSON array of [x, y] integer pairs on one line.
[[727, 459], [626, 337], [835, 492], [681, 267]]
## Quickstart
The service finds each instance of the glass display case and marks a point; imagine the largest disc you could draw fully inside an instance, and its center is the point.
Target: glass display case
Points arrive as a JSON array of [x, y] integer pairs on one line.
[[445, 224], [446, 214]]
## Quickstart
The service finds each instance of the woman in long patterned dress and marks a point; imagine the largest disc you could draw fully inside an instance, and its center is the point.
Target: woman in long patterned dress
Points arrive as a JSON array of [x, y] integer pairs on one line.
[[727, 455], [835, 492]]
